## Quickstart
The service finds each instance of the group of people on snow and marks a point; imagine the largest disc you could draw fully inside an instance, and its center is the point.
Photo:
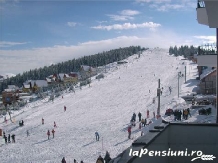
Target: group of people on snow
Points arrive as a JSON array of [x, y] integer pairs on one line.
[[100, 159], [8, 138], [106, 159], [178, 114]]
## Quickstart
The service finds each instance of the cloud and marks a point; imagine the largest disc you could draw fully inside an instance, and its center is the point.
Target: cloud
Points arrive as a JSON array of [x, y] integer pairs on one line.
[[167, 7], [149, 25], [120, 17], [206, 39], [153, 1], [18, 61], [4, 44], [129, 12], [72, 24], [124, 15]]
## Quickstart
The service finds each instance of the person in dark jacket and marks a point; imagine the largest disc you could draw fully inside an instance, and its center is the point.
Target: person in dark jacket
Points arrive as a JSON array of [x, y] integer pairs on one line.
[[6, 140], [48, 133], [100, 160], [97, 136], [13, 138], [9, 140], [107, 157], [140, 116], [63, 160]]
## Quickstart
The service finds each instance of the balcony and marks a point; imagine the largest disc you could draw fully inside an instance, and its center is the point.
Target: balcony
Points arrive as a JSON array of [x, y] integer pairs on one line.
[[207, 12]]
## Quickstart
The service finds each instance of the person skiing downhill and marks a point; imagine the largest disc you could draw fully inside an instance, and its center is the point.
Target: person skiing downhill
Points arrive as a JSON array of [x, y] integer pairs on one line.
[[42, 121], [65, 108]]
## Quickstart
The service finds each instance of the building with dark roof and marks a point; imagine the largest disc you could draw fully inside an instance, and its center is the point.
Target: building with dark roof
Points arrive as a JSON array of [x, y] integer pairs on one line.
[[174, 143]]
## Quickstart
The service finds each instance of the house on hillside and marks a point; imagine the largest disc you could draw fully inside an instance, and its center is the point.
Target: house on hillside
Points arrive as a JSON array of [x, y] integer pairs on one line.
[[75, 76], [34, 85], [10, 95], [208, 82], [87, 72], [52, 79]]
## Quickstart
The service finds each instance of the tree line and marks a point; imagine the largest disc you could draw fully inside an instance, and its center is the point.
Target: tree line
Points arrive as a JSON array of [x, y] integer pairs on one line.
[[186, 51], [73, 65]]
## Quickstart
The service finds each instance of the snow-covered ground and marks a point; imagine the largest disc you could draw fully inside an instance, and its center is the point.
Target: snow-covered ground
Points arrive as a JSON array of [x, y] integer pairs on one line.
[[106, 106]]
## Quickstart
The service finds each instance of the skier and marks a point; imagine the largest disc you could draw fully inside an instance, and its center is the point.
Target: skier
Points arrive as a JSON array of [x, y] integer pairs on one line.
[[55, 125], [42, 121], [53, 131], [13, 138], [63, 160], [139, 115], [27, 133], [170, 89], [65, 108], [100, 160], [48, 133], [107, 157], [129, 132], [81, 161], [9, 140], [154, 114], [97, 136]]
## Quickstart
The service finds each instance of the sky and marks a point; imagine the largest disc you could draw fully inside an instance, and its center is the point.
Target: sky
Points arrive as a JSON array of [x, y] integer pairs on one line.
[[38, 33], [106, 106]]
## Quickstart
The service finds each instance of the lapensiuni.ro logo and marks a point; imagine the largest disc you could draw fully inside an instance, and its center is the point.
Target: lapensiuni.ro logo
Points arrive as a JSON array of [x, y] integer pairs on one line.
[[169, 152]]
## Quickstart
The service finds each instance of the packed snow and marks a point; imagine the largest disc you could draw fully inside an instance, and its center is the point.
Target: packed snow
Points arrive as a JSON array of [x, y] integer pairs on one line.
[[105, 106]]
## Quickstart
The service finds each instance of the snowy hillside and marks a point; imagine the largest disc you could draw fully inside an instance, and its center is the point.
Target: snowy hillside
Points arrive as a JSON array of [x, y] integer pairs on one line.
[[106, 106]]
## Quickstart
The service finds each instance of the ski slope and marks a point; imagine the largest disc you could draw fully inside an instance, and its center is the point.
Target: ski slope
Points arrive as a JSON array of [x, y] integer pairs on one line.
[[106, 106]]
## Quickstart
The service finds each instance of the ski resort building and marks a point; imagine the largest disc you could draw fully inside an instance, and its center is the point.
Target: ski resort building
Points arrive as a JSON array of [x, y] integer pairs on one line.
[[87, 72], [207, 11], [174, 142]]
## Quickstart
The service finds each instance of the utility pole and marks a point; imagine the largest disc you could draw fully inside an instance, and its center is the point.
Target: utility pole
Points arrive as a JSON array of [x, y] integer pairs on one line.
[[158, 94], [178, 83]]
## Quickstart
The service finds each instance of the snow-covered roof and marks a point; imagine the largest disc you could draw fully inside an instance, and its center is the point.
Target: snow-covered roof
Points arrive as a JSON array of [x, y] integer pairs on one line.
[[12, 87], [26, 86], [207, 72], [48, 80], [87, 68], [39, 83]]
